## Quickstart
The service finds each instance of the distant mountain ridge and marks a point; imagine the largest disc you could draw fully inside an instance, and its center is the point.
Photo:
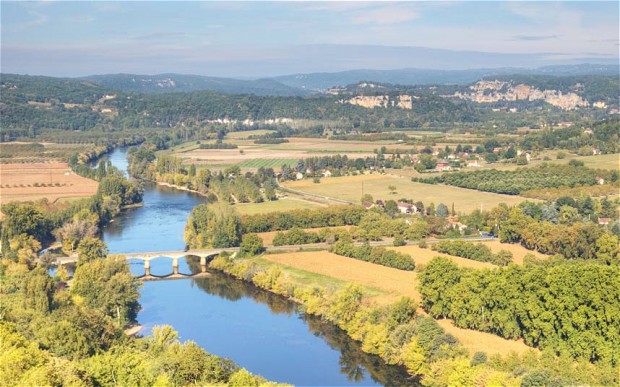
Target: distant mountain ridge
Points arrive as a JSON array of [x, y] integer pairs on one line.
[[305, 84], [180, 83], [324, 81]]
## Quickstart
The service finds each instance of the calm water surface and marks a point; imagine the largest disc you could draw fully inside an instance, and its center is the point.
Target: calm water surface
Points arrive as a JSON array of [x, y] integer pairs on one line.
[[261, 332]]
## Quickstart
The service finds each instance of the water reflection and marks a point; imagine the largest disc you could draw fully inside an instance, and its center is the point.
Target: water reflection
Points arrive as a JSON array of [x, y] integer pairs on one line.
[[354, 363]]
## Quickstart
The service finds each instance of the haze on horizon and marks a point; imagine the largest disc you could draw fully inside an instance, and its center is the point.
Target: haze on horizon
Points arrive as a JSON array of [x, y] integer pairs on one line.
[[259, 39]]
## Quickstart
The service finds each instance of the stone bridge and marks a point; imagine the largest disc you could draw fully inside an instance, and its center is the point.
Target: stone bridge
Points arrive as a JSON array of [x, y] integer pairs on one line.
[[174, 256]]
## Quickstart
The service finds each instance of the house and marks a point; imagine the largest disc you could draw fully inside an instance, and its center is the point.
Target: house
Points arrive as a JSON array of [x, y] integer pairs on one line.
[[588, 131], [327, 173], [604, 221], [299, 176], [443, 166], [473, 163], [528, 157], [596, 151], [599, 180], [368, 205], [406, 208], [380, 204]]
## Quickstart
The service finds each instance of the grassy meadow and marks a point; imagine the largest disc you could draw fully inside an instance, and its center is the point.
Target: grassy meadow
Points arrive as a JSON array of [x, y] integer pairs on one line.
[[351, 188]]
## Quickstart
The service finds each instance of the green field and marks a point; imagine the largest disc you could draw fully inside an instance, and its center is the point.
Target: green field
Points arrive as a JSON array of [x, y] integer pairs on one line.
[[351, 187], [248, 133], [266, 163], [281, 205]]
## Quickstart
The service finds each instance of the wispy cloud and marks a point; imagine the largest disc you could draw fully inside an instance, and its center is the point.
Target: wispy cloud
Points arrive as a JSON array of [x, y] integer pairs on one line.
[[535, 37]]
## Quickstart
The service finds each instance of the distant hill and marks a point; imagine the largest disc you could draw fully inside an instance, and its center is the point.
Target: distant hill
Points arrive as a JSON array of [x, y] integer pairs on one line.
[[178, 83], [324, 81]]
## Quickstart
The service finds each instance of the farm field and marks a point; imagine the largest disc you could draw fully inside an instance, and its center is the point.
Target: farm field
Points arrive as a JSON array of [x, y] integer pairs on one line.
[[17, 182], [395, 283], [350, 188], [391, 284], [280, 205]]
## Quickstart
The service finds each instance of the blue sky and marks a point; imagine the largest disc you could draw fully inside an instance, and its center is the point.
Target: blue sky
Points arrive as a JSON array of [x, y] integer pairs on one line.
[[251, 39]]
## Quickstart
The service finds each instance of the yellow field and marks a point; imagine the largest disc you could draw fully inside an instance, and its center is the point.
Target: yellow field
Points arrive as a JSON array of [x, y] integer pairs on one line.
[[350, 188], [476, 341], [280, 205], [17, 182], [393, 284]]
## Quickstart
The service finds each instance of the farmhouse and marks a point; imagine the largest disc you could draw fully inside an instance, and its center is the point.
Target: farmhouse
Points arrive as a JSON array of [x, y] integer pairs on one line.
[[599, 180], [443, 166], [406, 208], [299, 175], [604, 221], [473, 163]]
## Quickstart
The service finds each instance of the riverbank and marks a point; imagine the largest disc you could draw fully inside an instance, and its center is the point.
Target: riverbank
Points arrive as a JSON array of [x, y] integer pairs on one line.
[[180, 188], [395, 330]]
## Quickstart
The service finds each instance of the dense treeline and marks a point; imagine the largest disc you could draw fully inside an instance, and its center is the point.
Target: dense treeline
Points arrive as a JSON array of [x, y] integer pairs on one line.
[[376, 254], [604, 137], [218, 145], [227, 186], [576, 240], [474, 251], [567, 307], [323, 217], [86, 107], [523, 179]]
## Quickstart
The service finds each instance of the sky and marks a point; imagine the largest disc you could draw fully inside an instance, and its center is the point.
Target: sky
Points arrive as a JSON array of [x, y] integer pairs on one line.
[[255, 39]]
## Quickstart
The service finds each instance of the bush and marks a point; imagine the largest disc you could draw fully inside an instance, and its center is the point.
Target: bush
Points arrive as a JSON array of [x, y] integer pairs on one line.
[[251, 244]]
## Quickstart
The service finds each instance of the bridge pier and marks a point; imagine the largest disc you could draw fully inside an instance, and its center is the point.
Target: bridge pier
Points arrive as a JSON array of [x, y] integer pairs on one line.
[[203, 264], [175, 266], [147, 268]]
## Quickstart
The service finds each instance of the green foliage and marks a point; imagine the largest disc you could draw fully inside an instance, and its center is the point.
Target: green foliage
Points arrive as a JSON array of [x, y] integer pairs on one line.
[[251, 244], [108, 285], [296, 236], [474, 251], [213, 225], [563, 307], [520, 180], [90, 249], [323, 217], [576, 241], [377, 254]]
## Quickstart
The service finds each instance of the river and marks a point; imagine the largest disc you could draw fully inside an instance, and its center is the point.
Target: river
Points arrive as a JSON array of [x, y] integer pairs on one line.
[[261, 332]]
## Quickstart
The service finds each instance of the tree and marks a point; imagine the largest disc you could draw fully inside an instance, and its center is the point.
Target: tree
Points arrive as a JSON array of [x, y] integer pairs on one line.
[[107, 284], [442, 210], [25, 247], [90, 249], [251, 244], [607, 249], [392, 189]]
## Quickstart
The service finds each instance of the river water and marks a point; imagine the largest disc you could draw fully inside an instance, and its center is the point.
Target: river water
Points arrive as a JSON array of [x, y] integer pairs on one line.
[[261, 332]]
